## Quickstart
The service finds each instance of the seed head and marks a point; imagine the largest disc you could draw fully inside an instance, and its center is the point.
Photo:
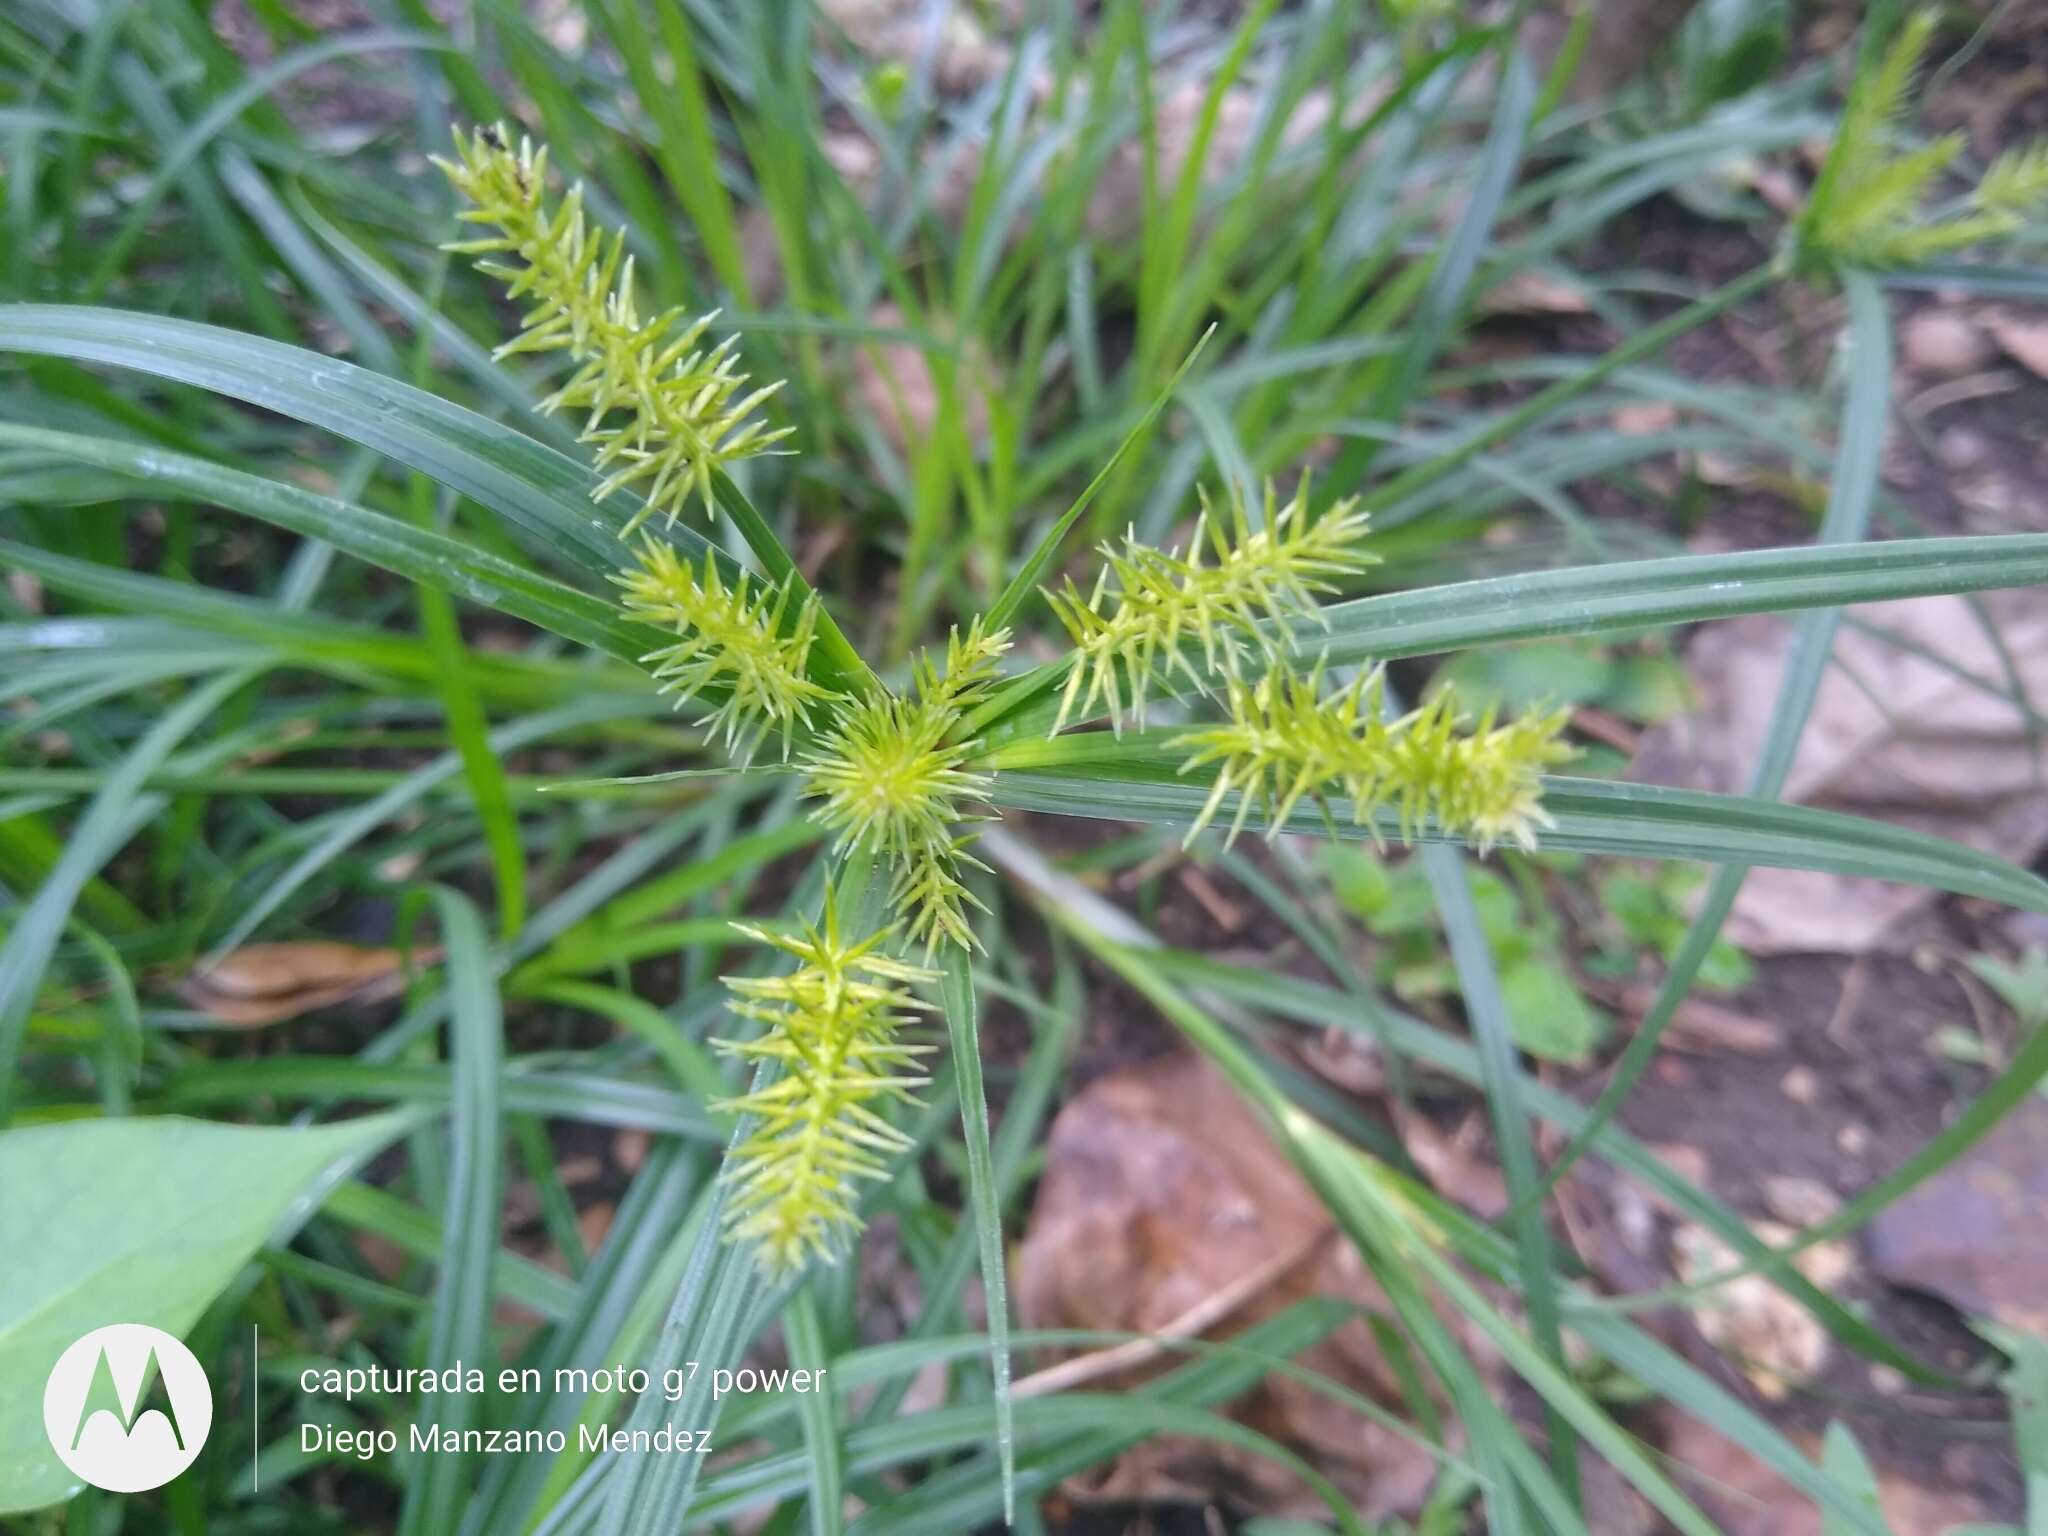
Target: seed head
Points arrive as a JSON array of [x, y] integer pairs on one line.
[[1869, 204], [1158, 616], [830, 1032], [891, 779], [752, 642], [1285, 741], [664, 410]]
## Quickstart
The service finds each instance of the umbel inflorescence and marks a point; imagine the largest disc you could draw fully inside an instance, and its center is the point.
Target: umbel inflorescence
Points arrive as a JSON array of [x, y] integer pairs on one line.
[[899, 774]]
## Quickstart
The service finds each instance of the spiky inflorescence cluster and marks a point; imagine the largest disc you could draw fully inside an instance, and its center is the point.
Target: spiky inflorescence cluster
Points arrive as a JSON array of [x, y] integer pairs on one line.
[[892, 772], [749, 641], [1158, 616], [1869, 205], [891, 779], [1285, 742], [663, 409], [830, 1027]]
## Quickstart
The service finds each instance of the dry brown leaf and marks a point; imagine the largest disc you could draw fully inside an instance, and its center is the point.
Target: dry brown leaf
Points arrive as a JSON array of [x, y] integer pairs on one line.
[[1893, 735], [1698, 1028], [1974, 1234], [262, 984], [1530, 292], [1161, 1193], [1747, 1498], [1460, 1172], [2024, 338], [1646, 419], [1943, 343], [1801, 1201]]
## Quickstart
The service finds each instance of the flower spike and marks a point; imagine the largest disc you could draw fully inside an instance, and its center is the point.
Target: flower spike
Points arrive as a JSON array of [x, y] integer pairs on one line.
[[742, 638], [1869, 205], [891, 779], [1285, 742], [1158, 616], [830, 1026], [664, 410]]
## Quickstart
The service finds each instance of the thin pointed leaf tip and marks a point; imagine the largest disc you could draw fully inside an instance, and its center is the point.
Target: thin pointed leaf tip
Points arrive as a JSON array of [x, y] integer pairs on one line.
[[1172, 619], [664, 410], [1286, 741], [829, 1043]]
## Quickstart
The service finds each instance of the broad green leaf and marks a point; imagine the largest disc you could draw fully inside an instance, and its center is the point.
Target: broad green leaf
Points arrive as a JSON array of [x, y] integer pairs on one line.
[[1681, 589], [461, 1329], [545, 492], [1494, 1036], [804, 1334], [963, 1034], [132, 1221], [1549, 1017], [430, 558]]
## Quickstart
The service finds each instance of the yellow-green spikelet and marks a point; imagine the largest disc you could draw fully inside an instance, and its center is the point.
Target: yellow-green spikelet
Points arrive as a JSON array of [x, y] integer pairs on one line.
[[1285, 741], [752, 641], [830, 1037], [664, 410]]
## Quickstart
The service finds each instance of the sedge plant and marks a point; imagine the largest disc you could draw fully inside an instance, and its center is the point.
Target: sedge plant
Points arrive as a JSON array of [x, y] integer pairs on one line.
[[1218, 621], [1224, 681]]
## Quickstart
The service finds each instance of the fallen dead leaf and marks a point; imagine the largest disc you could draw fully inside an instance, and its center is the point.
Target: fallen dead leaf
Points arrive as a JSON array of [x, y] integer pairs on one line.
[[262, 984], [1689, 1162], [2024, 339], [1530, 292], [1903, 729], [1973, 1234], [1339, 1056], [1161, 1195], [1458, 1172], [1650, 417], [1943, 343], [1803, 1202], [1747, 1498], [629, 1147]]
